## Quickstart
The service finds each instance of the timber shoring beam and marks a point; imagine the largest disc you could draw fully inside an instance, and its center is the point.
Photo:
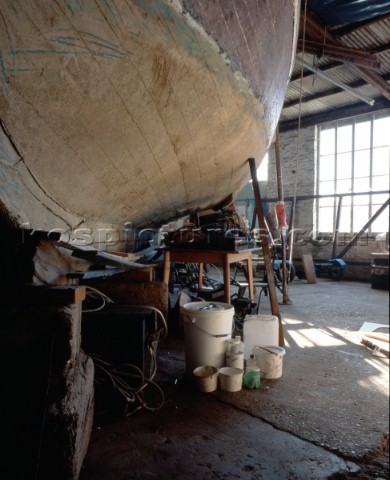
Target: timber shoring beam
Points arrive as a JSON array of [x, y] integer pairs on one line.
[[266, 250]]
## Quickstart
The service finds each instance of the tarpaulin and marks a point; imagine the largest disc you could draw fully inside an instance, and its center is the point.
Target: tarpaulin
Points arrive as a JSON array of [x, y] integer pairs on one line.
[[339, 12]]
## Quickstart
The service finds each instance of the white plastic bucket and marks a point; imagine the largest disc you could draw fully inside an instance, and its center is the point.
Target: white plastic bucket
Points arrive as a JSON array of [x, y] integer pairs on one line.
[[230, 379], [206, 378], [206, 330], [270, 361], [260, 330]]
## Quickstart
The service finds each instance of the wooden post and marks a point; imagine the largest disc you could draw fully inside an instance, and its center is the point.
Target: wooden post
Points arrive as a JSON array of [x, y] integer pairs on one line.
[[266, 251]]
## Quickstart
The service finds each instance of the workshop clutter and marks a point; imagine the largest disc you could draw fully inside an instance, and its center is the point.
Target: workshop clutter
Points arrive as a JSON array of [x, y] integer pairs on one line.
[[215, 359]]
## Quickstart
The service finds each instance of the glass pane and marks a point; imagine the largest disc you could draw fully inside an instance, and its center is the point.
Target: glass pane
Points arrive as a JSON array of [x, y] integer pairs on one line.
[[361, 200], [362, 164], [380, 183], [326, 188], [326, 171], [347, 200], [381, 132], [325, 219], [326, 202], [362, 135], [344, 138], [361, 185], [381, 224], [345, 219], [381, 161], [344, 186], [344, 165], [327, 141], [378, 200], [360, 217]]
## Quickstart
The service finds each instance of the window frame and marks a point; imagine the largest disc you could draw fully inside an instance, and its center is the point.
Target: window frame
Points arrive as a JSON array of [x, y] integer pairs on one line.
[[355, 224]]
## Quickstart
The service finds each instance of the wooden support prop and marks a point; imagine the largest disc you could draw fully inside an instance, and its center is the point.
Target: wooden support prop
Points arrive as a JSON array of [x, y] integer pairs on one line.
[[266, 251]]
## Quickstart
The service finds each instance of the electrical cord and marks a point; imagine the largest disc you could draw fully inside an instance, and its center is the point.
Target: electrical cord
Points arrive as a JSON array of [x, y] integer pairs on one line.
[[95, 293], [121, 376]]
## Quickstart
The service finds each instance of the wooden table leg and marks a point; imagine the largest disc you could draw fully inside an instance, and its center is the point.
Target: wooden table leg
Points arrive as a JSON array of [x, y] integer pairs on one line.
[[250, 277], [226, 277], [200, 276], [166, 267]]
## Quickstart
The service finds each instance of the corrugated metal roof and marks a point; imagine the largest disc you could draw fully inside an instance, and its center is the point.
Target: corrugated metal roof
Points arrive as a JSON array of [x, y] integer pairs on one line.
[[361, 25]]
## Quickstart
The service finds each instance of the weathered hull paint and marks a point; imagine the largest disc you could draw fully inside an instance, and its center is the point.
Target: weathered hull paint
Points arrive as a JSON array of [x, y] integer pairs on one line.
[[135, 111]]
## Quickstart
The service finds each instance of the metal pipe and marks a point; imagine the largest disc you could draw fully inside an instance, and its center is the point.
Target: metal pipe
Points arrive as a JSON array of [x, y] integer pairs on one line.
[[314, 197], [348, 89], [282, 232], [337, 226]]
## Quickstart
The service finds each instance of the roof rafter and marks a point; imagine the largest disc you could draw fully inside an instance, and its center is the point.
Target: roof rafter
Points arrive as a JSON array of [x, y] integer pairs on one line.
[[344, 54]]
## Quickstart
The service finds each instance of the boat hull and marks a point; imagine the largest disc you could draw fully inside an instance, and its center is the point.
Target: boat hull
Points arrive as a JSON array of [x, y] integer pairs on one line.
[[133, 112]]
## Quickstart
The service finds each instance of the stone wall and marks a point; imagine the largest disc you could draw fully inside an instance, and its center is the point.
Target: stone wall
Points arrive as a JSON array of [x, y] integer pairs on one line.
[[47, 402]]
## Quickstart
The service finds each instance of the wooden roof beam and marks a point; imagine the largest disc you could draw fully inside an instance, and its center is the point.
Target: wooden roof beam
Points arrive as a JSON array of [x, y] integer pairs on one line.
[[344, 54]]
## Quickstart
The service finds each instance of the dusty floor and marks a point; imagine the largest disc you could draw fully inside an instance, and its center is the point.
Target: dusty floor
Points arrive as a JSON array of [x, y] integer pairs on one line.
[[325, 418]]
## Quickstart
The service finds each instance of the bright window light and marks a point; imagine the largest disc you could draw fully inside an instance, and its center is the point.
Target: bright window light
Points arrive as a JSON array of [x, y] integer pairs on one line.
[[353, 158], [262, 171]]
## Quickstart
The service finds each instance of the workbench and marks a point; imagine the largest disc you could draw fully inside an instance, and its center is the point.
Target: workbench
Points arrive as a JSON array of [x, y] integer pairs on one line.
[[217, 257]]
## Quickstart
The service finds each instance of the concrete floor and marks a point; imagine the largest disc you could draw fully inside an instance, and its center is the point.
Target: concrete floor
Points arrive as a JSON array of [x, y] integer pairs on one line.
[[325, 418]]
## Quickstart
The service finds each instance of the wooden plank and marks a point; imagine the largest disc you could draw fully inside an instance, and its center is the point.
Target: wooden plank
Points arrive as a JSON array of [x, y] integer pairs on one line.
[[376, 345], [308, 266], [43, 295], [106, 272], [105, 258], [114, 275]]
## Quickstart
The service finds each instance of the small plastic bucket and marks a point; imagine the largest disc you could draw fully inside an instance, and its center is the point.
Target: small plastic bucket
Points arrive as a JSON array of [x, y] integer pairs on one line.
[[230, 379], [270, 361], [206, 378]]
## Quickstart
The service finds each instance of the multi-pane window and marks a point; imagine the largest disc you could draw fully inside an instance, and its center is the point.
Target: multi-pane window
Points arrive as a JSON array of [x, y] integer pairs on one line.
[[353, 162]]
